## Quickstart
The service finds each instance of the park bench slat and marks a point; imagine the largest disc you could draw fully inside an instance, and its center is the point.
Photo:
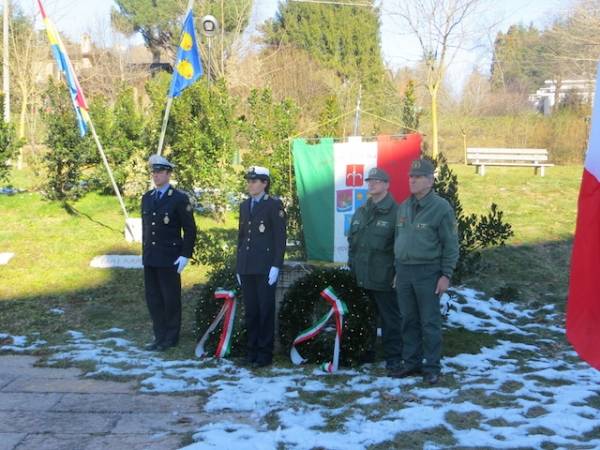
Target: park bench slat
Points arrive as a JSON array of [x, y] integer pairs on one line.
[[515, 157]]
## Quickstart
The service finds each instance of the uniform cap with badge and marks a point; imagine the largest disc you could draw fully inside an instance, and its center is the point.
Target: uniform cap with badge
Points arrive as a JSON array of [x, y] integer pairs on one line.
[[377, 174], [257, 173], [158, 163], [421, 168]]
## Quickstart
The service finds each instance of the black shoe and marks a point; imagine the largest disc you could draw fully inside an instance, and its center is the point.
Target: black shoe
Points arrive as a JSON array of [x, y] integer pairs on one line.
[[405, 372], [153, 346], [262, 363], [165, 346], [431, 378], [393, 365]]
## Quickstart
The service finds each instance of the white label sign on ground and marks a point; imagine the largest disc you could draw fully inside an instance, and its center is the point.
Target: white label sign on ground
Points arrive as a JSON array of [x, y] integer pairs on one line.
[[117, 261], [5, 258]]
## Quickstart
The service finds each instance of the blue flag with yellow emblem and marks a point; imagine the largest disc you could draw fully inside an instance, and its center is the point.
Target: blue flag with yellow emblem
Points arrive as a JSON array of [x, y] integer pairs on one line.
[[188, 67]]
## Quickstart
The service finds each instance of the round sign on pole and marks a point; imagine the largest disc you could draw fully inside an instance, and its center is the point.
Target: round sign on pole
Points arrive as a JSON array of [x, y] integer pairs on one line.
[[210, 25]]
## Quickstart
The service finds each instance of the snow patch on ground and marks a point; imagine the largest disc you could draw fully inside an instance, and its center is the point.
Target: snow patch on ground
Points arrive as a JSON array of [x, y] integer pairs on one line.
[[19, 344], [508, 395]]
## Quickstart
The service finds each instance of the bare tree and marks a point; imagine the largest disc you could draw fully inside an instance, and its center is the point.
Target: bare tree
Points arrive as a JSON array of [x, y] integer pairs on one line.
[[27, 52], [572, 44], [441, 27]]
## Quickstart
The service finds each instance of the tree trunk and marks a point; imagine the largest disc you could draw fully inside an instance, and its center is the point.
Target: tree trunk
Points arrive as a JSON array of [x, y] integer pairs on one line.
[[155, 55], [434, 124], [557, 87], [23, 112]]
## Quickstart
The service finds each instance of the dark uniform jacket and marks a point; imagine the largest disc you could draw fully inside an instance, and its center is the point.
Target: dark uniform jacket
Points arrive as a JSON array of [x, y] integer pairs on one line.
[[426, 233], [261, 236], [162, 223], [371, 244]]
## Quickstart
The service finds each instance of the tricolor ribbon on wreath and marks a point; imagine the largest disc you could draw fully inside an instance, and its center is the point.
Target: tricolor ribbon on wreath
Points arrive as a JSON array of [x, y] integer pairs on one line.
[[227, 314], [338, 310]]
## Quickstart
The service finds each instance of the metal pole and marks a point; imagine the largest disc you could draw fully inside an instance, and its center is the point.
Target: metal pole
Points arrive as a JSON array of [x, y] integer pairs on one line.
[[110, 175], [357, 116], [163, 130], [209, 53], [5, 63]]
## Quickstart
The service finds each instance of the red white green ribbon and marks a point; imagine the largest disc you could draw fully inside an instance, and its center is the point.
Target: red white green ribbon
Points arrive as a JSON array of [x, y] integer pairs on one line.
[[338, 310], [227, 313]]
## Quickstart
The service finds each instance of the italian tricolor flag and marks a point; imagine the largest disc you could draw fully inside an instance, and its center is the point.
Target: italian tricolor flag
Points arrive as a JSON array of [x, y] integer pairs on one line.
[[330, 180], [583, 307]]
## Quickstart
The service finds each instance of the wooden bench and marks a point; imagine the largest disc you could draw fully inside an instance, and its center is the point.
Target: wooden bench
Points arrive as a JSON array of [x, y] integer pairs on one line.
[[521, 157]]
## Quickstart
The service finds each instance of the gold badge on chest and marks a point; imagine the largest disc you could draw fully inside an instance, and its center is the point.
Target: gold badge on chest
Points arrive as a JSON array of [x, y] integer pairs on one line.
[[166, 220], [261, 227]]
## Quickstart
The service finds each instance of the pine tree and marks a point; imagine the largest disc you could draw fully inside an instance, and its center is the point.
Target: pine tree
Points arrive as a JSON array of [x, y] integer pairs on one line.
[[343, 38]]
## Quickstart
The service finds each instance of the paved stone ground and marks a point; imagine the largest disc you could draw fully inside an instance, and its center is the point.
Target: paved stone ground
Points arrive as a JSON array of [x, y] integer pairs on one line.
[[56, 409]]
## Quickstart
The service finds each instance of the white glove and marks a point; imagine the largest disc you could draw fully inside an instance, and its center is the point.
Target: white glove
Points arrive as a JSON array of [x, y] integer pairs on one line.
[[273, 274], [181, 262], [237, 275]]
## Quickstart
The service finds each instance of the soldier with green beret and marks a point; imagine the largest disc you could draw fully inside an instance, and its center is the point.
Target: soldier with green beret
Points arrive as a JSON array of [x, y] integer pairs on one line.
[[371, 259], [426, 253]]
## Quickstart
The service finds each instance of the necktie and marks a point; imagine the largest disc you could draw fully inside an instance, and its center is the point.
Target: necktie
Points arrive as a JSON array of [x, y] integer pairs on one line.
[[158, 195], [252, 205]]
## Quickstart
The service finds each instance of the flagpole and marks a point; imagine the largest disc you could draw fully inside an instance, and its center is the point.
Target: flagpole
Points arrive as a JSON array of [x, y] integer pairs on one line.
[[110, 175], [80, 106], [163, 129]]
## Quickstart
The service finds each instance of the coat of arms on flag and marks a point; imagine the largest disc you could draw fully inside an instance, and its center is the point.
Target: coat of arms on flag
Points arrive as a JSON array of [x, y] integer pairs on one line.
[[331, 186]]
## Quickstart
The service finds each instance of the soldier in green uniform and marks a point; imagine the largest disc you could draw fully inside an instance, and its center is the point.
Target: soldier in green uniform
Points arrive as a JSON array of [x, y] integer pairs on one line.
[[426, 252], [371, 259]]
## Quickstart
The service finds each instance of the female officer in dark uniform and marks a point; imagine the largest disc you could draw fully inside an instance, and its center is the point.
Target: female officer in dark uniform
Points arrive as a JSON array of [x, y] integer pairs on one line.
[[260, 251]]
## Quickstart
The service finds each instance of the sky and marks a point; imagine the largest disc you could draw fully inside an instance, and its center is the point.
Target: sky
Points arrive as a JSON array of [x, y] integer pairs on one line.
[[74, 17]]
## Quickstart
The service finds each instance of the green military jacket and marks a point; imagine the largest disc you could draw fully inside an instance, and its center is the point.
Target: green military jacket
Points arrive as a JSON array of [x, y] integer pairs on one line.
[[371, 244], [426, 233]]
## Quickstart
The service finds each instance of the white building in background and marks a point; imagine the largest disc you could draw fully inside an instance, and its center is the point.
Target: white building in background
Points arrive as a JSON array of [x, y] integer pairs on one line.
[[545, 97]]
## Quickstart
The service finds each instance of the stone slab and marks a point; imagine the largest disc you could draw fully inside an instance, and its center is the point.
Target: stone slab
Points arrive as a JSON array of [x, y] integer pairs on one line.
[[6, 379], [19, 401], [158, 423], [67, 385], [5, 257], [117, 261], [8, 441], [135, 442], [16, 362], [22, 366], [54, 442], [55, 422], [127, 403]]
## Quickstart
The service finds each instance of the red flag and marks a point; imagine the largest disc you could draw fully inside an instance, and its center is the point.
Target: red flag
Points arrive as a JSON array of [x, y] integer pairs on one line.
[[583, 307], [389, 159]]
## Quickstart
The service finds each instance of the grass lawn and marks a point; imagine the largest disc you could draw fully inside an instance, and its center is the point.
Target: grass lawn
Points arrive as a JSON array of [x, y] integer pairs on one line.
[[54, 247], [534, 265]]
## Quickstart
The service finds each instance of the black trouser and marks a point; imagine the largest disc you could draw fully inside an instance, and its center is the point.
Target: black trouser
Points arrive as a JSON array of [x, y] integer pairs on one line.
[[163, 297], [259, 304], [391, 326]]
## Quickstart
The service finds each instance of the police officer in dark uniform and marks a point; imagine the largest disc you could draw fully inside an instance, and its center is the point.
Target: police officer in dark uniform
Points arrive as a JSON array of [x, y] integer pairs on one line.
[[260, 251], [166, 212]]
